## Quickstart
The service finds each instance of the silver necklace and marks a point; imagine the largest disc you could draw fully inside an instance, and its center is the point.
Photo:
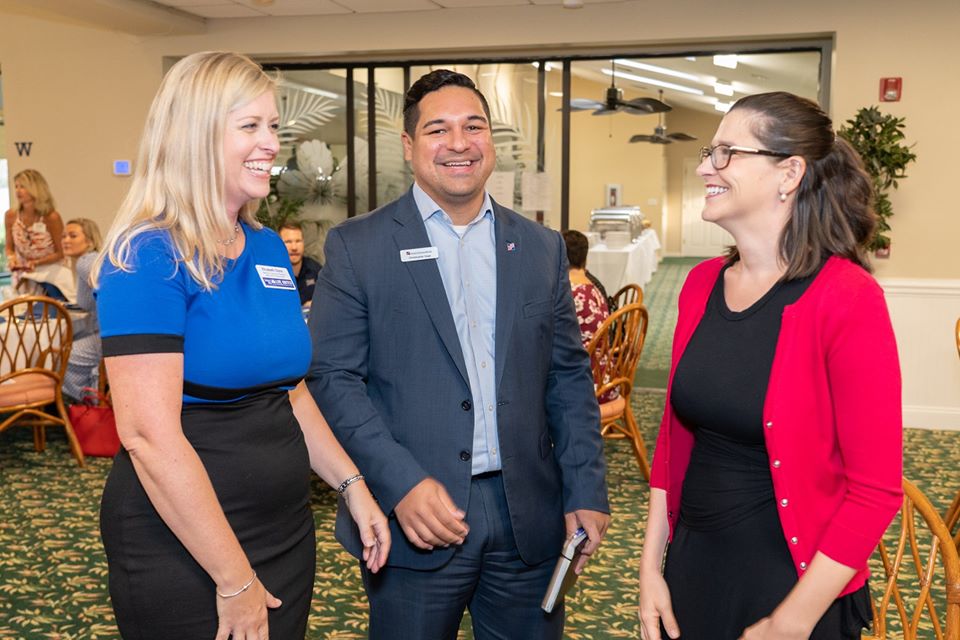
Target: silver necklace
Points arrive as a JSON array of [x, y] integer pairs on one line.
[[236, 234]]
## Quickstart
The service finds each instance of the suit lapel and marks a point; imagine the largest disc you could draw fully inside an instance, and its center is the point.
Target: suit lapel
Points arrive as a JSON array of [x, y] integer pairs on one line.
[[412, 234], [508, 251]]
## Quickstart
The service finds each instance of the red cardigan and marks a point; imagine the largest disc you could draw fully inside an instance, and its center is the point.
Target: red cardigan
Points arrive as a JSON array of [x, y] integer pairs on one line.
[[832, 416]]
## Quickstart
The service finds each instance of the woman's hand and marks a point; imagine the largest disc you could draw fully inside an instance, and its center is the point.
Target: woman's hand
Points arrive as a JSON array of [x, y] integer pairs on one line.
[[244, 616], [655, 606], [374, 530], [772, 628]]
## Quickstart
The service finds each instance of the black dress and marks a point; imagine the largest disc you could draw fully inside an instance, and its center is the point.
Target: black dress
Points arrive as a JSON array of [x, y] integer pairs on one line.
[[244, 345], [728, 565], [254, 453]]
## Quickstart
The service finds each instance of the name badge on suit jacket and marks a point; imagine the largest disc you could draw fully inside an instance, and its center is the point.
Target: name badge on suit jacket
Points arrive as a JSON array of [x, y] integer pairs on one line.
[[421, 253]]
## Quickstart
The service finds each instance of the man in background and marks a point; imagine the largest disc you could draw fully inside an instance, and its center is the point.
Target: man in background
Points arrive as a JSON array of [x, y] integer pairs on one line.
[[305, 268]]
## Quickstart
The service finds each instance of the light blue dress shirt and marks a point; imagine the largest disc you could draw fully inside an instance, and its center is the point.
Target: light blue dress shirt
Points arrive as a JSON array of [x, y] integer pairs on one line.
[[468, 266]]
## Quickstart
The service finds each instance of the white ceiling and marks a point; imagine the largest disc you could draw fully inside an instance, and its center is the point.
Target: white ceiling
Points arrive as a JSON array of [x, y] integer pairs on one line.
[[255, 8], [795, 72]]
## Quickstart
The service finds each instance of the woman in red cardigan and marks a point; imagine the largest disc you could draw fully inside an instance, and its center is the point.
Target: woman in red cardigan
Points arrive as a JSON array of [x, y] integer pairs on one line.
[[778, 463]]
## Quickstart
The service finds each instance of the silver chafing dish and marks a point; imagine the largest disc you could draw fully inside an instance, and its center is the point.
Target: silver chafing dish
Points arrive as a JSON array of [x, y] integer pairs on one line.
[[617, 219]]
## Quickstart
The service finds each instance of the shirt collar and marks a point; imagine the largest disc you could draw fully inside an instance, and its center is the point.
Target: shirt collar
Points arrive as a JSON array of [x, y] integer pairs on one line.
[[427, 206]]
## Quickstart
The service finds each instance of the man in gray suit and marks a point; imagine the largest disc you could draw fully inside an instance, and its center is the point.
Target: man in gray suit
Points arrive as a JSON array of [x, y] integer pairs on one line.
[[447, 359]]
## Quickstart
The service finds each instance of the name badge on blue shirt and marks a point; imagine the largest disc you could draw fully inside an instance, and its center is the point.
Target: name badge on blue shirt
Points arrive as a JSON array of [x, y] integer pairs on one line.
[[276, 277], [421, 253]]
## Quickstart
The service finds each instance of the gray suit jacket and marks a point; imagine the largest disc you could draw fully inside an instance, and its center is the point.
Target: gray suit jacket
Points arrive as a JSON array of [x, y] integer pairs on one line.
[[389, 375]]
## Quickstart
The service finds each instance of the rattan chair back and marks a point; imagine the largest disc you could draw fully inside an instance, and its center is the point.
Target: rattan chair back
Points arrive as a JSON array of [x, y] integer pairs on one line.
[[36, 336], [628, 294], [921, 595], [615, 351]]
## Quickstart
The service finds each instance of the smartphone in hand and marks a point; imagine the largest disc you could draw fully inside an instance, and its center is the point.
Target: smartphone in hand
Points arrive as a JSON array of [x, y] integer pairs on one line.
[[563, 574]]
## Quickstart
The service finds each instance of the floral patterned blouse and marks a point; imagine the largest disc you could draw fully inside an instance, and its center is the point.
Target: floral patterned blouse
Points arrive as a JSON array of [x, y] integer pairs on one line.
[[33, 242], [591, 312]]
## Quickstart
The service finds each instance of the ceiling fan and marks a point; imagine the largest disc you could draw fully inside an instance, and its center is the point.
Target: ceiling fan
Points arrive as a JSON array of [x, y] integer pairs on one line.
[[614, 102], [660, 135]]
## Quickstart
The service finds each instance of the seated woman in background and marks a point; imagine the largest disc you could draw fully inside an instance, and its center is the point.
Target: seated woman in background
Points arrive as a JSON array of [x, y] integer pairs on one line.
[[589, 300], [81, 243], [591, 303], [33, 230]]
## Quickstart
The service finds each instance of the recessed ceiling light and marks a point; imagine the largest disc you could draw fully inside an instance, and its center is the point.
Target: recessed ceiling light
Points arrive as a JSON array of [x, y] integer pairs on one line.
[[728, 61], [657, 69], [651, 81], [723, 88], [723, 107], [572, 4]]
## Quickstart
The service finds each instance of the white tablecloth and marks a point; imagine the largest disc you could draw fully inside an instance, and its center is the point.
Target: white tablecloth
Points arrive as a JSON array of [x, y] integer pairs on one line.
[[633, 264], [18, 350]]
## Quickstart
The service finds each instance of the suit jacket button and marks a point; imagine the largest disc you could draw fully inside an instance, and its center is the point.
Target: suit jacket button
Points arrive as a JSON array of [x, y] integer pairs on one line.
[[465, 405], [465, 456]]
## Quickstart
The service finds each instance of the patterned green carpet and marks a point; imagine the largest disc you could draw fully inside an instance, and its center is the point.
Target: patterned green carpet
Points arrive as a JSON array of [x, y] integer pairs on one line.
[[660, 298], [53, 571]]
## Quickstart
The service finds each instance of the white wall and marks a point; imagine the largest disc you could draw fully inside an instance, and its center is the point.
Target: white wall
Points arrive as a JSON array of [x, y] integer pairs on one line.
[[924, 314]]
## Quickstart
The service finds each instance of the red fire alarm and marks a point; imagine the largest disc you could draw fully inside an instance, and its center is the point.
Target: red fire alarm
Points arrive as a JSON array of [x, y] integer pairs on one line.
[[890, 89]]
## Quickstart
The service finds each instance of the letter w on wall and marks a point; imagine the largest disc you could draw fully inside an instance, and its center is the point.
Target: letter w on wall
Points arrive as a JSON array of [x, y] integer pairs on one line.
[[23, 148]]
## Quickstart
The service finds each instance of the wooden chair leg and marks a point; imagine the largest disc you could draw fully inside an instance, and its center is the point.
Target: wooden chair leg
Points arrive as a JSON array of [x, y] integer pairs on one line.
[[639, 448], [39, 438]]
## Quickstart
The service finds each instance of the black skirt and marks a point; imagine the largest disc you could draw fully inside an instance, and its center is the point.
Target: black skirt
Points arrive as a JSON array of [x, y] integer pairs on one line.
[[254, 453], [724, 580]]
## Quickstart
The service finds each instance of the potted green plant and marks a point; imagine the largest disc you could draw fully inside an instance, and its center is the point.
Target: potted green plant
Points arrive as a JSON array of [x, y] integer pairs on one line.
[[878, 138]]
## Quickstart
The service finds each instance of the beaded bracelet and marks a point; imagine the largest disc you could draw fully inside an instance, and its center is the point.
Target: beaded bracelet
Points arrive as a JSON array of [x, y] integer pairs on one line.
[[241, 590], [349, 481]]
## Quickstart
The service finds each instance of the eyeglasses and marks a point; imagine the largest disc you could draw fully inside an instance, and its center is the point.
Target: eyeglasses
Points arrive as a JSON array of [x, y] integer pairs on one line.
[[720, 154]]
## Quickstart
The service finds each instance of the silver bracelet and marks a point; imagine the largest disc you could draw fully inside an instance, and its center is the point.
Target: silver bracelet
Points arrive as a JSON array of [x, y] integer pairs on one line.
[[241, 590], [349, 481]]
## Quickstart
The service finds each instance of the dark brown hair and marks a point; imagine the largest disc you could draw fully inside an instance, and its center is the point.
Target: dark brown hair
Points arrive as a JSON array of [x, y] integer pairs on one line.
[[434, 81], [833, 209], [577, 247], [292, 225]]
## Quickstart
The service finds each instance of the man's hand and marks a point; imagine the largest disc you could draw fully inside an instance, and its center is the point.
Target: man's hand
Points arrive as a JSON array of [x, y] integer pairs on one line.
[[595, 523], [429, 518]]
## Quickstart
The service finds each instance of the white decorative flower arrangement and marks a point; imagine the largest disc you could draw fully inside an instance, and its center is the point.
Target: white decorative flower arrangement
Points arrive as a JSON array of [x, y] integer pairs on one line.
[[315, 176]]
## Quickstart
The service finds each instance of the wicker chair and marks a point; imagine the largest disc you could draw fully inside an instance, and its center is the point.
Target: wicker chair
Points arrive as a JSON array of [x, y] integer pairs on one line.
[[628, 294], [952, 517], [957, 331], [36, 335], [614, 353], [952, 520], [922, 575]]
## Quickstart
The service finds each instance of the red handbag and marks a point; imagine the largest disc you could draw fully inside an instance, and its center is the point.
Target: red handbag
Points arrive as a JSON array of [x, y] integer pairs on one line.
[[95, 425]]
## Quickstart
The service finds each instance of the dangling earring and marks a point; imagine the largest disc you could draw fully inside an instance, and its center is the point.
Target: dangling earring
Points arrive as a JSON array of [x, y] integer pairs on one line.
[[783, 197]]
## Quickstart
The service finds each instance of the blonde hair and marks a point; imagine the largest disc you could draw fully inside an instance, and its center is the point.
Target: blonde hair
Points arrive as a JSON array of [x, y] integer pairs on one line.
[[178, 183], [90, 231], [36, 185]]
